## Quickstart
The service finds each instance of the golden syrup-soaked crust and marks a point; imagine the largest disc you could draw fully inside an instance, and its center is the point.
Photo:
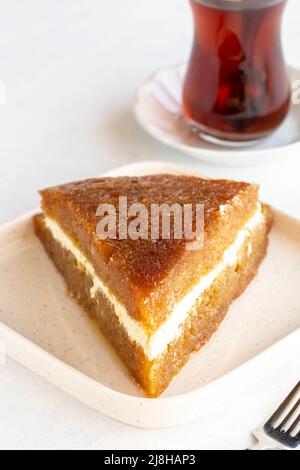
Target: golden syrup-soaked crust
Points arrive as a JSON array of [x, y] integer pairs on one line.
[[149, 276], [210, 310], [203, 321]]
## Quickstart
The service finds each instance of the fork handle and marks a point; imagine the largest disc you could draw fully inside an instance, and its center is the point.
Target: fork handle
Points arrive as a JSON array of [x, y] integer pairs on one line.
[[264, 442], [264, 446]]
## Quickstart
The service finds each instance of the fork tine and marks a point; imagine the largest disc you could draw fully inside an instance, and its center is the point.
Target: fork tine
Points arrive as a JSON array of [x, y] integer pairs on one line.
[[289, 415], [288, 412], [285, 403], [294, 425]]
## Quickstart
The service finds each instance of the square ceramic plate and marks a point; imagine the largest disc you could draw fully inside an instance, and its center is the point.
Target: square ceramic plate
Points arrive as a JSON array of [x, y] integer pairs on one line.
[[43, 329]]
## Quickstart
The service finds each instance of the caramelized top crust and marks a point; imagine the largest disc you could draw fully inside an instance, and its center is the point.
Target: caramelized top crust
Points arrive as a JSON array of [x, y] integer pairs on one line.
[[149, 276]]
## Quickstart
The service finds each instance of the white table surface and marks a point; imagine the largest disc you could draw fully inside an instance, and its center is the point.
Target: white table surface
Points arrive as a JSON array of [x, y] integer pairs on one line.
[[71, 68]]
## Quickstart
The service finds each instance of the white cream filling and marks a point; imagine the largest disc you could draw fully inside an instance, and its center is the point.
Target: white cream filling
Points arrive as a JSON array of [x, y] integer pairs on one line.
[[157, 343]]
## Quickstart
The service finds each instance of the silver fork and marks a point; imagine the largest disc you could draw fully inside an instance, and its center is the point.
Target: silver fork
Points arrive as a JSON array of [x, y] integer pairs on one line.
[[282, 430]]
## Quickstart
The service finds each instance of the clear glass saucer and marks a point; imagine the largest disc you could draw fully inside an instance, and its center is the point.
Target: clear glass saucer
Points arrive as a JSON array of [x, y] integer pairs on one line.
[[158, 107]]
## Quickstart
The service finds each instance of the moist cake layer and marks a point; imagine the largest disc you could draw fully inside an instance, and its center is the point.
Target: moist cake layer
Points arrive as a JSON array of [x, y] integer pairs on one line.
[[203, 320], [210, 310], [149, 278], [157, 342]]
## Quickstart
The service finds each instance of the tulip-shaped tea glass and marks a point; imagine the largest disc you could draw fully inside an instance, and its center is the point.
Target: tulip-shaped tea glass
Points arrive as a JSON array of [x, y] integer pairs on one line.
[[236, 88]]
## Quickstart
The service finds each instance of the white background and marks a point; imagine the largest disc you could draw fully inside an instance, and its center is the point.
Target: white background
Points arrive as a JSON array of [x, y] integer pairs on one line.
[[71, 68]]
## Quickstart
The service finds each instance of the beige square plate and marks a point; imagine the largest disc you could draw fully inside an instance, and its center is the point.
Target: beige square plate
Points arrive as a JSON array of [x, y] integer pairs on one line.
[[43, 329]]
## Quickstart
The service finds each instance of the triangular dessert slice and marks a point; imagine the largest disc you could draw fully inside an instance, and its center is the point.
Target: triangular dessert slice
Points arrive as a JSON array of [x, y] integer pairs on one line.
[[156, 298]]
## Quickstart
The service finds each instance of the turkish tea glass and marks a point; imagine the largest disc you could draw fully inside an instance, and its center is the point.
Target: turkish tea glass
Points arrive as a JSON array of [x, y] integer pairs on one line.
[[236, 87]]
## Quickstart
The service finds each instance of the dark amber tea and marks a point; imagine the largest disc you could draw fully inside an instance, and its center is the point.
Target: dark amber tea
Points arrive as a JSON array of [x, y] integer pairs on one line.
[[236, 87]]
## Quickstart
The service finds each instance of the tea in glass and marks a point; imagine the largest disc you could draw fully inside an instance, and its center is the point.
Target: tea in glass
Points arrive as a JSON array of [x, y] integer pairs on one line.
[[236, 87]]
